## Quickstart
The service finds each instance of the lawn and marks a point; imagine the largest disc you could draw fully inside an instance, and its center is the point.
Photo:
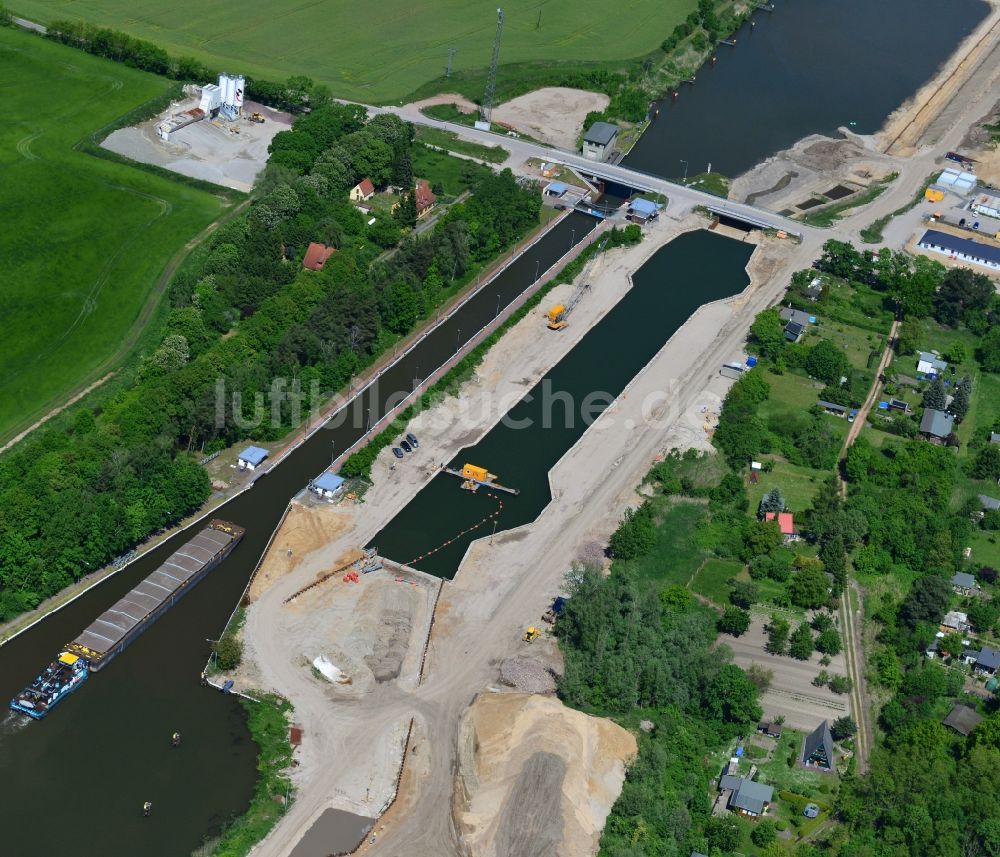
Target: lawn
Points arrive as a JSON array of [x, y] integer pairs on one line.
[[450, 141], [798, 485], [453, 174], [382, 52], [85, 240], [674, 541], [712, 579]]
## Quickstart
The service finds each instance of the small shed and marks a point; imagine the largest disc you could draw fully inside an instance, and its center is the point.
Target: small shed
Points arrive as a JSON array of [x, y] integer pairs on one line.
[[797, 315], [598, 140], [328, 485], [252, 457], [935, 424], [833, 408], [962, 718], [989, 502], [772, 730], [955, 620], [794, 331], [963, 582], [642, 211], [316, 256], [556, 189]]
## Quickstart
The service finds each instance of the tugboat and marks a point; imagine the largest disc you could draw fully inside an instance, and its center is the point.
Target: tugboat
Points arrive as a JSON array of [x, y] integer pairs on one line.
[[59, 679]]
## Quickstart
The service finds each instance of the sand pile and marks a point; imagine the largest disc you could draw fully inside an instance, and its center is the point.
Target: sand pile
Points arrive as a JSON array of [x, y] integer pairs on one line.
[[536, 779], [527, 675]]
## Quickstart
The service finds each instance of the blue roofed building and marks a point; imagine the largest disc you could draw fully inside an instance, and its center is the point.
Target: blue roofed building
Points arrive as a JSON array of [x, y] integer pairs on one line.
[[328, 485], [643, 210], [964, 249], [252, 457]]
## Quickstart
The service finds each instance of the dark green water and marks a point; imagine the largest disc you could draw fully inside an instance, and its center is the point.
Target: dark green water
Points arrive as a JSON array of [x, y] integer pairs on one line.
[[696, 268]]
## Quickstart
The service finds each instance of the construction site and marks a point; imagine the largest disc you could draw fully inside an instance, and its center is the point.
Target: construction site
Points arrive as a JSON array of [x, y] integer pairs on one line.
[[381, 666], [213, 134]]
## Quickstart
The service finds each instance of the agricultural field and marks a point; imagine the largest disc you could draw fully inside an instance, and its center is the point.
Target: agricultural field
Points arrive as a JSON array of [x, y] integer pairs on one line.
[[379, 53], [85, 240]]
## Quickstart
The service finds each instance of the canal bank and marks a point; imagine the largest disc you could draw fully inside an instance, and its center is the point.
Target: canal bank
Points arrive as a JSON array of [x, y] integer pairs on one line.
[[434, 530]]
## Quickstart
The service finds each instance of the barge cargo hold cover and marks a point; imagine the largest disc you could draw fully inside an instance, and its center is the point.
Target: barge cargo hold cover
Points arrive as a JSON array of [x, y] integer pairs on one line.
[[118, 626]]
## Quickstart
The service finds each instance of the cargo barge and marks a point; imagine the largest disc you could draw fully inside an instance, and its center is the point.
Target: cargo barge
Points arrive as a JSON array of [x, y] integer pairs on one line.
[[60, 678], [116, 628]]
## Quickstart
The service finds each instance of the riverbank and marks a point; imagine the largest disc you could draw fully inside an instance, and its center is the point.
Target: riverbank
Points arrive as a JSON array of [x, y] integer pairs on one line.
[[479, 615]]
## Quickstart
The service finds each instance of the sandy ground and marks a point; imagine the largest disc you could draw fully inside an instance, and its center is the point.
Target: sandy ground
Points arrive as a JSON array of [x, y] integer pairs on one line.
[[792, 693], [922, 119], [535, 777], [502, 587], [554, 115], [206, 150]]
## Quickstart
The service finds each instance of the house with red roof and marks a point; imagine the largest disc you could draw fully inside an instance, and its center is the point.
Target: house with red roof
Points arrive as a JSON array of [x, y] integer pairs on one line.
[[424, 198], [316, 256], [363, 190], [786, 523]]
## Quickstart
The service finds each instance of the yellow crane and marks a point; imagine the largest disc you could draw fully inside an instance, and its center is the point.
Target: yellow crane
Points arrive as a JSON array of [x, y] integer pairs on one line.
[[556, 317]]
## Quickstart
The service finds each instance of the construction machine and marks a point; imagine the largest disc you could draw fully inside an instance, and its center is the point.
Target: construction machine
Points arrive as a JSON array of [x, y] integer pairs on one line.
[[558, 315], [257, 117], [530, 634]]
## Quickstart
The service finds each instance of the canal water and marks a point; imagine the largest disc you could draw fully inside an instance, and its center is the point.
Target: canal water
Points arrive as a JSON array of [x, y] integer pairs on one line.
[[694, 269], [809, 67], [74, 783]]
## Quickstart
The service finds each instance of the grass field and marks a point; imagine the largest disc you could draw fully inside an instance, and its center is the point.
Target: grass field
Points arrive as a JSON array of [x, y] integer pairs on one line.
[[798, 485], [380, 52], [675, 541], [712, 579], [85, 240], [450, 141]]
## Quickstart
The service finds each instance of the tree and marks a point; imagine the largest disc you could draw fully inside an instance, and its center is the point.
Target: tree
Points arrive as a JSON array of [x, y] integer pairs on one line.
[[987, 574], [777, 634], [961, 291], [986, 464], [635, 535], [960, 400], [840, 684], [843, 727], [764, 833], [989, 350], [827, 362], [760, 537], [760, 676], [828, 641], [952, 644], [743, 593], [834, 556], [809, 589], [734, 621], [910, 334], [821, 621], [722, 832], [926, 601], [935, 395], [407, 211], [800, 644], [768, 332], [772, 501], [228, 652], [731, 697]]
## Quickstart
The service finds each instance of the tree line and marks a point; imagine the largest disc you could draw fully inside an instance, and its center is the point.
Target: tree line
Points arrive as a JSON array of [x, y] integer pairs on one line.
[[243, 313]]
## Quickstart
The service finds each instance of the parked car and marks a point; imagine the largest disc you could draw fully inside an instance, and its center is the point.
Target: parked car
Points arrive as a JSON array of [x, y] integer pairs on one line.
[[406, 446], [412, 438], [397, 452]]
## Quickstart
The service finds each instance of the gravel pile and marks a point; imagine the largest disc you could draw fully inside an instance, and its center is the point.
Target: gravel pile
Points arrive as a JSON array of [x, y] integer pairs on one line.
[[527, 675]]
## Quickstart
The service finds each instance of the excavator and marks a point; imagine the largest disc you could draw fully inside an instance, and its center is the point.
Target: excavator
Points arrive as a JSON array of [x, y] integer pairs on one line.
[[256, 117], [556, 317]]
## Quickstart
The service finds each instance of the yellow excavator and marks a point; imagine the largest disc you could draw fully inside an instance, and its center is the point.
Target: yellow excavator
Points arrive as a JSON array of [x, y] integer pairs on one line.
[[557, 317]]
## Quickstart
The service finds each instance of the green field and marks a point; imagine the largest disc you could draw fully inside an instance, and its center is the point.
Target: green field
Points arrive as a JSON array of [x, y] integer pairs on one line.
[[798, 484], [383, 51], [85, 240], [712, 579]]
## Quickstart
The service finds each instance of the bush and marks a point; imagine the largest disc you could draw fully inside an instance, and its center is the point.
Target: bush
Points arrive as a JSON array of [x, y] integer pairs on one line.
[[840, 684], [228, 652], [764, 833]]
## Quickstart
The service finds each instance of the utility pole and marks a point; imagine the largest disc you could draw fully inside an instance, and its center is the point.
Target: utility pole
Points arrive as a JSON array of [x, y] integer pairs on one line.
[[486, 110], [451, 53], [538, 23]]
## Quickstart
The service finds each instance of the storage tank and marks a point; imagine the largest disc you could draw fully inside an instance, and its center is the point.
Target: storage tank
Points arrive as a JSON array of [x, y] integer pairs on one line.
[[230, 90], [240, 87]]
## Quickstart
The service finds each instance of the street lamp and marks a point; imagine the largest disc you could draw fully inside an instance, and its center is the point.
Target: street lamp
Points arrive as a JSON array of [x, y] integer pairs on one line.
[[458, 335], [537, 263], [572, 241], [684, 180], [498, 307]]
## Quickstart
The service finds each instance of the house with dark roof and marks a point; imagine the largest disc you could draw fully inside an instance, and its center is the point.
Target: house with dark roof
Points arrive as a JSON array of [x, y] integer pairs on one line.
[[936, 425], [424, 198], [832, 408], [987, 661], [796, 315], [363, 191], [772, 730], [598, 140], [963, 582], [316, 256], [794, 331], [964, 249], [817, 749], [748, 797], [962, 718]]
